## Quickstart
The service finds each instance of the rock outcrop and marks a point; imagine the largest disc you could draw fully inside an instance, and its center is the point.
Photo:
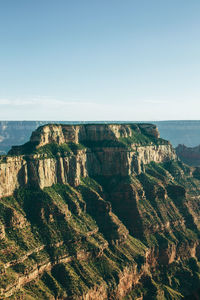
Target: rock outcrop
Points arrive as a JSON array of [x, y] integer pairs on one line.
[[61, 134], [177, 132], [98, 212], [102, 154]]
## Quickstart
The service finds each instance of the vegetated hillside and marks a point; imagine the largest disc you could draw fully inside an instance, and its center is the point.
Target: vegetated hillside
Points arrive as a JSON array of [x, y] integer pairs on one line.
[[98, 212], [177, 132]]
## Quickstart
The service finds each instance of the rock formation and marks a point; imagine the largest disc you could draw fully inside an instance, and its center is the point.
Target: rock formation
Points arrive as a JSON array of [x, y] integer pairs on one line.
[[98, 212], [177, 132], [96, 150]]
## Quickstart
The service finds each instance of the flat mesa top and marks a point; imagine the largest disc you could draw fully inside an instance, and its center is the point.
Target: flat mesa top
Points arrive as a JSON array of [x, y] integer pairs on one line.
[[53, 138]]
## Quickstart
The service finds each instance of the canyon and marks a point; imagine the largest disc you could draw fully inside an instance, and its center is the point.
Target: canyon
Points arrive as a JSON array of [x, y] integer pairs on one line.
[[98, 211]]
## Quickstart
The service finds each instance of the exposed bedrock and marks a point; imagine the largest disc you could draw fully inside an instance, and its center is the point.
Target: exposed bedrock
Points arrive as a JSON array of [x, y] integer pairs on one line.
[[98, 157], [98, 212]]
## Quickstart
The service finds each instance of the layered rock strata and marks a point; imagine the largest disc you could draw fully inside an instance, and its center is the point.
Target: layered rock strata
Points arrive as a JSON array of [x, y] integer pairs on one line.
[[98, 212], [102, 155]]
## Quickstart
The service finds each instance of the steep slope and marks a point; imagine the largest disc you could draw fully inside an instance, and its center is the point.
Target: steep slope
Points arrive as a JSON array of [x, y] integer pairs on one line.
[[98, 212]]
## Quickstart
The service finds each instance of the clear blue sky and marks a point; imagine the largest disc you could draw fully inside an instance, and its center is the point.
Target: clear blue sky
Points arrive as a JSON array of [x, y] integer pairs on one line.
[[99, 59]]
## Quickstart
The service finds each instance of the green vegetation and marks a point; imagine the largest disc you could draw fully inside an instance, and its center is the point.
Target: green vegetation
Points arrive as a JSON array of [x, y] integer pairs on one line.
[[57, 216], [50, 150], [105, 229], [137, 138], [142, 140], [104, 144]]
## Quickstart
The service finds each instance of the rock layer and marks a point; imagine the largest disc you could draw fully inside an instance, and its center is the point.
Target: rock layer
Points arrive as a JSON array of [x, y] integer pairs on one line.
[[98, 212], [103, 160]]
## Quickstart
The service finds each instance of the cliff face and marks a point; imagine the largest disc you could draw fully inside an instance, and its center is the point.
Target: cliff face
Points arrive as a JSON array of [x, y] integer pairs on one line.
[[177, 132], [89, 133], [101, 154], [98, 212]]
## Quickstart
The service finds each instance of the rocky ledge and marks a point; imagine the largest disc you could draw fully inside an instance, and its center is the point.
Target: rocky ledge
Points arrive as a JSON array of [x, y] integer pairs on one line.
[[64, 154], [98, 212]]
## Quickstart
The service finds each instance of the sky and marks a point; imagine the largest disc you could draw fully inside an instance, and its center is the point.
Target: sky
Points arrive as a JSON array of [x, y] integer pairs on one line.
[[99, 60]]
